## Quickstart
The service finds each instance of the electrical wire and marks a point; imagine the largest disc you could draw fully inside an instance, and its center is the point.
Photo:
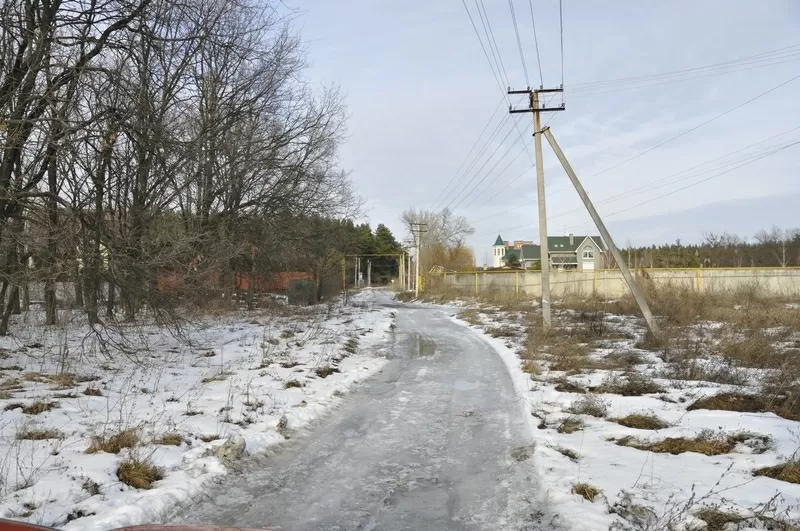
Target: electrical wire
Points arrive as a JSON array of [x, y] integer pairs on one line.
[[561, 26], [481, 168], [498, 59], [475, 160], [536, 41], [519, 42], [491, 65], [499, 105], [695, 128], [777, 150], [490, 183], [760, 57]]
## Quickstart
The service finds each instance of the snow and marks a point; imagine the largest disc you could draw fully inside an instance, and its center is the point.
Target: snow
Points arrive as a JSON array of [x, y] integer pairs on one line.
[[226, 378], [663, 489]]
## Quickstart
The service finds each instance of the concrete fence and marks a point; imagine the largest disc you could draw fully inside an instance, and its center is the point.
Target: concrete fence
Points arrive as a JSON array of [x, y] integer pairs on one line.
[[783, 281]]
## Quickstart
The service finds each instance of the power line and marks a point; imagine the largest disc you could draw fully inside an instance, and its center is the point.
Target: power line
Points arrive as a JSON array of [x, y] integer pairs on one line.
[[561, 26], [536, 41], [482, 166], [763, 56], [519, 42], [499, 105], [475, 160], [703, 180], [498, 59], [684, 133], [659, 183], [495, 178], [477, 34], [486, 55]]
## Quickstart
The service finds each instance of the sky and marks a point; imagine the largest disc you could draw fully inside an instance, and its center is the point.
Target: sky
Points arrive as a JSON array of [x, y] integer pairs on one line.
[[420, 92]]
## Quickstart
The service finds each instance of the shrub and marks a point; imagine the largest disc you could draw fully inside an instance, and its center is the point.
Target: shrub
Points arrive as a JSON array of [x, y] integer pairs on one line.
[[633, 384], [171, 438], [39, 406], [324, 371], [292, 383]]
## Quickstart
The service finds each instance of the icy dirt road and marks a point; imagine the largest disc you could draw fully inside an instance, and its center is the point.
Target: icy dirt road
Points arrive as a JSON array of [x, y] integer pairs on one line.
[[434, 442]]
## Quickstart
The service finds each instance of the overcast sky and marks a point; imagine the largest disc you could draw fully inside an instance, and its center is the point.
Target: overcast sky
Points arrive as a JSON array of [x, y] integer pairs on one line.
[[419, 92]]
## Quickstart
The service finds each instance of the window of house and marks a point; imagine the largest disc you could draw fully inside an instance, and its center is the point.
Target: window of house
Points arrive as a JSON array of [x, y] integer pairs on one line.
[[588, 253]]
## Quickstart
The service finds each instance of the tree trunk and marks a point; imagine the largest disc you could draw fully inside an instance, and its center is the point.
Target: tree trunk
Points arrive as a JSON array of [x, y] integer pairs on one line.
[[52, 238]]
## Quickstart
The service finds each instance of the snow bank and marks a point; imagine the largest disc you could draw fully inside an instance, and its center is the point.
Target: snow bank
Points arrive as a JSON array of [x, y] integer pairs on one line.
[[642, 489], [255, 375]]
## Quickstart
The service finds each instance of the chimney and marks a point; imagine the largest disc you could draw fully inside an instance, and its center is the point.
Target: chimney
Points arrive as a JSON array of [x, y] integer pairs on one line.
[[571, 239]]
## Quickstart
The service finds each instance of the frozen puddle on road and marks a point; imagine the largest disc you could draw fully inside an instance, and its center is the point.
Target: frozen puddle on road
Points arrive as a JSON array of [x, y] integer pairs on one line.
[[428, 444]]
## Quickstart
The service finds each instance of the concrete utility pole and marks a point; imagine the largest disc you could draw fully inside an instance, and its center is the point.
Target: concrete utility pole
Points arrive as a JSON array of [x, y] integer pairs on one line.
[[418, 230], [626, 274], [544, 258], [369, 272]]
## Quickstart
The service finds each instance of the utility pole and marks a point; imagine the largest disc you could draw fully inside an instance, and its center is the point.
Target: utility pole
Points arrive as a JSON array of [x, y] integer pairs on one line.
[[369, 272], [626, 274], [418, 230], [544, 259]]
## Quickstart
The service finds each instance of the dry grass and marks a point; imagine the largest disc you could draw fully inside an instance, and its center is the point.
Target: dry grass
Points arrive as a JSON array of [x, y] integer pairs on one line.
[[208, 438], [717, 520], [589, 492], [702, 444], [570, 425], [751, 348], [642, 421], [502, 331], [38, 407], [633, 384], [292, 383], [564, 385], [170, 438], [566, 452], [531, 367], [92, 391], [324, 371], [220, 376], [351, 346], [139, 473], [697, 370], [113, 444], [470, 315], [786, 404], [789, 472], [31, 434], [589, 405]]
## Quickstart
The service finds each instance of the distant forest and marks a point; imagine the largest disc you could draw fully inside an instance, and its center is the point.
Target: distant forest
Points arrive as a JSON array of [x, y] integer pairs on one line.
[[775, 247]]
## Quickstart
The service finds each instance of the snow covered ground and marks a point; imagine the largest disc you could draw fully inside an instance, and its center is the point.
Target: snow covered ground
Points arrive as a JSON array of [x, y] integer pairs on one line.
[[575, 415], [72, 415]]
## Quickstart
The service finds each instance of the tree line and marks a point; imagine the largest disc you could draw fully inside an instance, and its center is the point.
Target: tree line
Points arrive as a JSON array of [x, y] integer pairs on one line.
[[773, 247], [141, 137]]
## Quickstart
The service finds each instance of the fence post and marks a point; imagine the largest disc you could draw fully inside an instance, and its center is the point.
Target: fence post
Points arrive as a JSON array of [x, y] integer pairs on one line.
[[516, 281], [594, 283], [699, 276], [476, 283]]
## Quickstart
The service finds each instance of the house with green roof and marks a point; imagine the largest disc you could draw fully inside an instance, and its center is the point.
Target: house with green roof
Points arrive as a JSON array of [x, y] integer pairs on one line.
[[569, 252]]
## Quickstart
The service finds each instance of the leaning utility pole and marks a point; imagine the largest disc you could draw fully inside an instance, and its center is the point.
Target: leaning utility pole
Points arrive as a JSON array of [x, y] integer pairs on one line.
[[626, 274], [544, 257]]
